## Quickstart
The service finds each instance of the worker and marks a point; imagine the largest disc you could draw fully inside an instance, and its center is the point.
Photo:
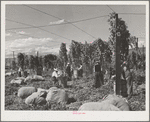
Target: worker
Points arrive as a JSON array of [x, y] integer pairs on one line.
[[55, 73], [127, 80], [98, 75], [80, 71], [68, 71], [19, 71]]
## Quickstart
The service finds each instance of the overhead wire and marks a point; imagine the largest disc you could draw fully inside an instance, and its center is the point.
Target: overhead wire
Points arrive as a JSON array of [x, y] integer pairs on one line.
[[110, 8], [132, 13], [41, 11], [60, 23], [127, 13], [23, 34], [38, 28], [31, 36], [63, 23], [60, 19], [141, 37]]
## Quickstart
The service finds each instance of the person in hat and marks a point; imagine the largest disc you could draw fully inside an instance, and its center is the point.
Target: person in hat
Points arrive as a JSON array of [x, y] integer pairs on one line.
[[19, 71], [68, 71], [55, 73], [98, 75], [80, 71], [127, 79], [55, 77]]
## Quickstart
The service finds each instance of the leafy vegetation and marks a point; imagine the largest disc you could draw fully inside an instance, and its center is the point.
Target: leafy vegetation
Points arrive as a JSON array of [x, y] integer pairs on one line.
[[82, 90]]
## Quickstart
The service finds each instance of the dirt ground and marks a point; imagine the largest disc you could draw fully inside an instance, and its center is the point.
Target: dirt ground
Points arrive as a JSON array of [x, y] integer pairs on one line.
[[79, 91]]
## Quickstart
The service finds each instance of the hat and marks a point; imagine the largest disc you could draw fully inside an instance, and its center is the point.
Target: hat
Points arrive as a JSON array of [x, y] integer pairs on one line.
[[55, 69], [97, 62], [124, 64]]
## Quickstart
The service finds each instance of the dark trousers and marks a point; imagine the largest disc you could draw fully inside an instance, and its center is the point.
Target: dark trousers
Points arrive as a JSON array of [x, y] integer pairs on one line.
[[69, 75], [98, 79], [80, 72], [124, 88], [129, 86], [19, 74]]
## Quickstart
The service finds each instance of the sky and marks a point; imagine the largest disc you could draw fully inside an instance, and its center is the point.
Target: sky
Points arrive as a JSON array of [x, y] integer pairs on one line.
[[47, 39]]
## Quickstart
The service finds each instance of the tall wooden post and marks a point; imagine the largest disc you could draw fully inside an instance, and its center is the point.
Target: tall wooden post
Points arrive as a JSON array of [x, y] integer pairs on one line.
[[13, 56], [143, 52], [143, 60], [118, 68], [37, 53], [136, 52], [12, 61], [37, 66]]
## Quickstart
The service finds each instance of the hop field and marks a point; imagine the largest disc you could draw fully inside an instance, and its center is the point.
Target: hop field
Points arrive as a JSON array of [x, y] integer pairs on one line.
[[80, 91]]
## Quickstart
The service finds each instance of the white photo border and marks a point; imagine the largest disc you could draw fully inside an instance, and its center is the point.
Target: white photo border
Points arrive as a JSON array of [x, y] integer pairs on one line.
[[68, 115]]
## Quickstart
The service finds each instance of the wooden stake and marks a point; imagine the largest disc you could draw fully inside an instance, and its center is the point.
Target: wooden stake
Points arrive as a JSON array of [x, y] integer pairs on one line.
[[118, 68], [136, 52]]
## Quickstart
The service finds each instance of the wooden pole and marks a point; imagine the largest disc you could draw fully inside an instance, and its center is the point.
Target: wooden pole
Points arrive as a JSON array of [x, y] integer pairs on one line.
[[143, 60], [143, 52], [12, 60], [118, 68], [13, 56], [37, 53], [136, 52], [37, 72]]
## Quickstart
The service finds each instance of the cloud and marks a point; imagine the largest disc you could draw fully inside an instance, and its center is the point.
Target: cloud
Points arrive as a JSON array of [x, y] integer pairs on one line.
[[31, 45], [21, 32], [15, 33], [141, 43], [30, 42], [57, 22], [8, 34]]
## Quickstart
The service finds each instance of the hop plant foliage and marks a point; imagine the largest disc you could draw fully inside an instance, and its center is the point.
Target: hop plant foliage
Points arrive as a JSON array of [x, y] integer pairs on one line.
[[124, 38], [63, 54], [49, 60], [20, 58]]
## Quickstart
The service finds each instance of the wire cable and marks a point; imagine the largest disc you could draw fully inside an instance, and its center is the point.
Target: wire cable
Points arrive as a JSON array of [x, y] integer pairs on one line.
[[38, 28], [41, 11], [110, 8], [132, 13], [29, 36], [59, 19], [23, 34], [34, 37], [141, 37], [59, 24], [127, 13]]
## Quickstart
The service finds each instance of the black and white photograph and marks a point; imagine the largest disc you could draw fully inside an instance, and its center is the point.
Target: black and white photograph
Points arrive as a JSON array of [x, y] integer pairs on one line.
[[75, 60]]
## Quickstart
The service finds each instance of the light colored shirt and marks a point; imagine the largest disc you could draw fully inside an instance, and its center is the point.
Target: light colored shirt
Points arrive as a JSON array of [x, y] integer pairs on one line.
[[80, 67], [19, 69], [55, 74]]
